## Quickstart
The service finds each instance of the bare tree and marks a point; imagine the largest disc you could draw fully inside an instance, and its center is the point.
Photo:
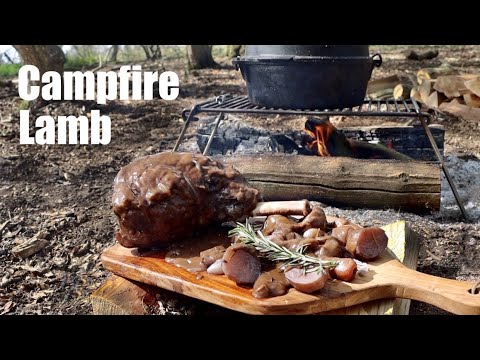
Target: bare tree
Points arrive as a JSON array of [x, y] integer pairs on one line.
[[152, 52], [200, 57], [45, 58], [113, 53]]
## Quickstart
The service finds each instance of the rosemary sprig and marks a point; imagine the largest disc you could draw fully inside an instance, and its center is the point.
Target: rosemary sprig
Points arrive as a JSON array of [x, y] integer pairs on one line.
[[275, 252]]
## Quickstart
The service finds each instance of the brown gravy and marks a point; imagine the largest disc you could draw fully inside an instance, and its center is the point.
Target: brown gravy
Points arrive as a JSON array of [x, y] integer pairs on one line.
[[186, 254]]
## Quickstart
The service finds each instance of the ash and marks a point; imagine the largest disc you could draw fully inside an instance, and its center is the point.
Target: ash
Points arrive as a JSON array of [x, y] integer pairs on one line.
[[466, 175], [236, 137]]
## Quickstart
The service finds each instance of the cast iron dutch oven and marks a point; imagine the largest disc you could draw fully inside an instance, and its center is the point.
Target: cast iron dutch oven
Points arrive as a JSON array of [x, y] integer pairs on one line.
[[307, 76]]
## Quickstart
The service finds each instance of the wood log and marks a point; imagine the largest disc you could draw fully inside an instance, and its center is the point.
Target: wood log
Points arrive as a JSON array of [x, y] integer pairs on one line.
[[402, 91], [405, 244], [432, 73], [425, 89], [473, 85], [415, 94], [472, 100], [408, 185], [384, 88], [426, 55], [408, 140], [422, 75], [435, 99], [463, 111], [119, 296], [386, 83], [451, 86]]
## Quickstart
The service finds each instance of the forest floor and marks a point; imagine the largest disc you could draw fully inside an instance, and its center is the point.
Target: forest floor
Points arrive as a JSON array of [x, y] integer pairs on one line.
[[62, 194]]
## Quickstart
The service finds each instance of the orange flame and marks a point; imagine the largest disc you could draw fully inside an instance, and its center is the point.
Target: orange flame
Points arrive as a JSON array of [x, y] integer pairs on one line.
[[321, 135]]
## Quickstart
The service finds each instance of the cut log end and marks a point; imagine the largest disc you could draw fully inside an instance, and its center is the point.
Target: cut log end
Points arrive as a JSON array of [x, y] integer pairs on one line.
[[119, 296], [473, 85], [472, 100], [402, 91], [435, 99]]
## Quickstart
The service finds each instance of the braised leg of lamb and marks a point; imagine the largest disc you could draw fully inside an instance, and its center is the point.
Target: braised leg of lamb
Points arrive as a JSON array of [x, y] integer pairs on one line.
[[166, 197]]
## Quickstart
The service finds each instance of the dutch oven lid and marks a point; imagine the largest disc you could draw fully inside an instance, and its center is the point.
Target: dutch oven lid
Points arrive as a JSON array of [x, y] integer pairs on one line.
[[255, 51]]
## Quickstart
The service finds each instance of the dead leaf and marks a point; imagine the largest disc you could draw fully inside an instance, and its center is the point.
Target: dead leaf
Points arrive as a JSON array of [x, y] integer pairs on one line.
[[41, 294], [7, 307]]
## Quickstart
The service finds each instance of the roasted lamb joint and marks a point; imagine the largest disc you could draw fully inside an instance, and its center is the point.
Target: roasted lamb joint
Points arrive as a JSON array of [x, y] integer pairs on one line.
[[165, 197]]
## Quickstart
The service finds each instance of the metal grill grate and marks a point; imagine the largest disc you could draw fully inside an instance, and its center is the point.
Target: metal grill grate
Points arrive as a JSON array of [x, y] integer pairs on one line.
[[241, 104]]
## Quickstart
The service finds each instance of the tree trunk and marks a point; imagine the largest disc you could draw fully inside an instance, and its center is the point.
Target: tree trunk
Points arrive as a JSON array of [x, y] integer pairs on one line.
[[200, 57], [45, 58], [152, 52], [114, 53], [235, 50]]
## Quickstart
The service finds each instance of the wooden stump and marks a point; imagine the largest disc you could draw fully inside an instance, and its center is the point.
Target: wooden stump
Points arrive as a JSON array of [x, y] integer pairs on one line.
[[119, 296], [404, 243]]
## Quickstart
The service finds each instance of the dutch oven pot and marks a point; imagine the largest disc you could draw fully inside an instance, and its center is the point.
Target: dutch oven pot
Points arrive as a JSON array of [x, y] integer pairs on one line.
[[307, 76]]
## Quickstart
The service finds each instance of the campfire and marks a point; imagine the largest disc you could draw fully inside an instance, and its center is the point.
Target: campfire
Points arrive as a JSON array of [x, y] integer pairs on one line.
[[329, 141], [319, 137], [321, 131], [338, 166]]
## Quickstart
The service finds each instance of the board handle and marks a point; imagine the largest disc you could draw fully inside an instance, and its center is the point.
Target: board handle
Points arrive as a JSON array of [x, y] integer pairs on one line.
[[451, 295]]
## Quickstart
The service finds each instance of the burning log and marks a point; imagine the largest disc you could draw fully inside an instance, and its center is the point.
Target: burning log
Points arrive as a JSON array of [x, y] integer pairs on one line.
[[328, 141], [408, 185]]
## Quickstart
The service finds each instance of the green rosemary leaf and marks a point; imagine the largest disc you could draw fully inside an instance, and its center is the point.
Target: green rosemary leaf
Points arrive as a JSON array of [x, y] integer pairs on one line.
[[275, 252]]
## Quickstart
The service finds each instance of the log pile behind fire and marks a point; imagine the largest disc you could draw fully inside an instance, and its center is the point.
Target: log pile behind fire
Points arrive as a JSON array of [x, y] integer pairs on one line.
[[438, 88]]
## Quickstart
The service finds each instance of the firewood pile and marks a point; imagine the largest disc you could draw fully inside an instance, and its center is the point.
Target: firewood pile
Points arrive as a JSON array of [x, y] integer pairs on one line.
[[461, 89], [441, 88]]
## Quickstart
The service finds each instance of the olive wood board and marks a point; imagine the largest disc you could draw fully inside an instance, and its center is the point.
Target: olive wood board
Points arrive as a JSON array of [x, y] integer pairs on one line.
[[386, 278]]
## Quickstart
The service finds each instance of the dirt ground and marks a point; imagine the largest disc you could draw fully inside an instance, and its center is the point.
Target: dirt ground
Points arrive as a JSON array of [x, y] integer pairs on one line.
[[62, 193]]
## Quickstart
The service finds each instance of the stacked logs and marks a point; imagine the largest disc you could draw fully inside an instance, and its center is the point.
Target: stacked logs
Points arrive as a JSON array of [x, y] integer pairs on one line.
[[437, 88]]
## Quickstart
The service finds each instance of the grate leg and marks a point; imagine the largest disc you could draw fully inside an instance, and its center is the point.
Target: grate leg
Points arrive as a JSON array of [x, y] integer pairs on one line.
[[212, 135], [192, 113], [443, 167]]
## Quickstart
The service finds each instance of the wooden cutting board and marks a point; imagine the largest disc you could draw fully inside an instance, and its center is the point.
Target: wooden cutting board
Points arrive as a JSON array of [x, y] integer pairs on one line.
[[386, 278]]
